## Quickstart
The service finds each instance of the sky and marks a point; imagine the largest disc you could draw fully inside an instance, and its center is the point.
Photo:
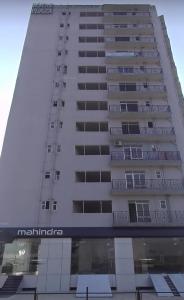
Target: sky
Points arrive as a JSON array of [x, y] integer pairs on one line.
[[14, 17]]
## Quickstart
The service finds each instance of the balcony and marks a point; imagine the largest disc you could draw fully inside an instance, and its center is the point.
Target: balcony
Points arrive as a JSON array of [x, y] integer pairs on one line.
[[133, 110], [147, 187], [133, 133], [129, 29], [132, 91], [126, 17], [129, 43], [134, 74], [153, 219], [145, 158], [132, 57]]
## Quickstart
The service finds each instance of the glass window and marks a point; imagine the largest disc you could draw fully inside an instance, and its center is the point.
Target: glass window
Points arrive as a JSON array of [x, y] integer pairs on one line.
[[92, 256], [20, 256], [158, 255]]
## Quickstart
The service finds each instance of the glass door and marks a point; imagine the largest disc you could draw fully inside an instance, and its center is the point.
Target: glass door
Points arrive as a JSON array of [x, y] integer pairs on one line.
[[135, 180], [139, 212]]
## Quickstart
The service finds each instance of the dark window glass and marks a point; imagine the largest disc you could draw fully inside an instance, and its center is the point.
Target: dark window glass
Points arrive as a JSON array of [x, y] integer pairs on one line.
[[80, 126], [103, 86], [82, 69], [92, 150], [122, 38], [78, 206], [92, 207], [81, 39], [103, 126], [102, 69], [80, 176], [158, 255], [104, 150], [105, 176], [81, 105], [92, 86], [91, 126], [92, 176], [81, 53], [91, 53], [79, 150], [93, 256], [106, 206], [101, 53], [82, 26], [81, 86]]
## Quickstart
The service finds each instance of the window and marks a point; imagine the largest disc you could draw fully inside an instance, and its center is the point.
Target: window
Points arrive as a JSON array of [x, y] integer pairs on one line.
[[92, 150], [91, 14], [150, 124], [65, 69], [55, 103], [58, 148], [91, 53], [93, 176], [92, 69], [125, 87], [61, 25], [92, 206], [59, 53], [158, 174], [46, 205], [132, 152], [60, 124], [49, 148], [57, 175], [57, 84], [47, 175], [120, 13], [93, 256], [58, 68], [139, 211], [54, 205], [52, 124], [92, 86], [92, 105], [163, 204], [135, 179], [158, 255], [91, 26], [92, 126], [91, 39], [130, 128], [122, 39], [129, 106]]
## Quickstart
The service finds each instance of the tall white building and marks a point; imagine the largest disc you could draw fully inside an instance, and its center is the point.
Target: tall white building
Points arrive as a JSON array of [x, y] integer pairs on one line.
[[92, 168]]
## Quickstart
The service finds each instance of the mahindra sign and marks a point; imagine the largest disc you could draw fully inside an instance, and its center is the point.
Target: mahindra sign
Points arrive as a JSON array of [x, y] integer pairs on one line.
[[40, 232]]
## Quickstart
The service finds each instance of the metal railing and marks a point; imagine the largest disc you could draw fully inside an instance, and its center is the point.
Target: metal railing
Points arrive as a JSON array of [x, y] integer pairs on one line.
[[155, 185], [136, 88], [129, 54], [131, 39], [134, 129], [152, 218], [146, 155], [127, 70], [139, 108], [134, 26]]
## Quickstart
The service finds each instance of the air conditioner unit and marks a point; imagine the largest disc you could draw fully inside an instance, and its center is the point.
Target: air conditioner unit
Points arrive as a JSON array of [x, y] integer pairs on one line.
[[118, 143]]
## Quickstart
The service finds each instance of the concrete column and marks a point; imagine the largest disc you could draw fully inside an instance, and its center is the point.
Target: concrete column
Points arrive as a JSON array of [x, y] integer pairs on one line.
[[124, 262]]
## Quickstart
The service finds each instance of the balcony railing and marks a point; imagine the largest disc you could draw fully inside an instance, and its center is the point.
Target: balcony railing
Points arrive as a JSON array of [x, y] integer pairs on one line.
[[128, 54], [142, 14], [134, 129], [151, 185], [152, 218], [127, 70], [133, 26], [139, 108], [146, 155], [133, 88], [131, 39]]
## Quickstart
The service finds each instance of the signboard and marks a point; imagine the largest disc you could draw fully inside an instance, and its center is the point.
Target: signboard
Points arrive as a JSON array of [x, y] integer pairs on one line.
[[11, 233]]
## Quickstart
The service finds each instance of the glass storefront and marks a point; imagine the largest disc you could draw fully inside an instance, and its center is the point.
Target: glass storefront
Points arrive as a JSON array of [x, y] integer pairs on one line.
[[158, 255], [93, 256], [19, 256]]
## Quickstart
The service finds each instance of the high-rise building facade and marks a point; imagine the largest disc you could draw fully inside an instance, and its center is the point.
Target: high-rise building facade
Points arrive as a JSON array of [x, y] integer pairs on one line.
[[92, 168]]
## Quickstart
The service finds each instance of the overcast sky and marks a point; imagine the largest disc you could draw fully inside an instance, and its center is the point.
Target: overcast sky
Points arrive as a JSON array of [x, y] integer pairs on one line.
[[14, 17]]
